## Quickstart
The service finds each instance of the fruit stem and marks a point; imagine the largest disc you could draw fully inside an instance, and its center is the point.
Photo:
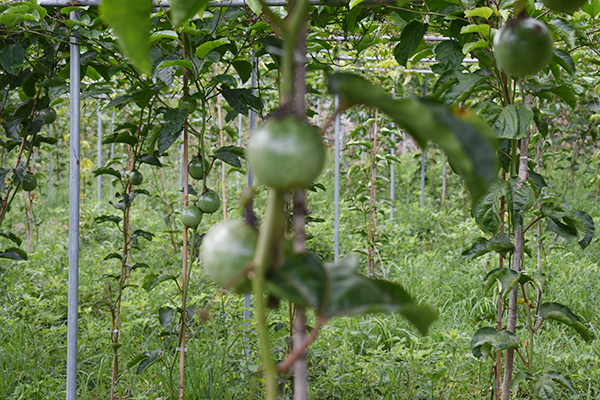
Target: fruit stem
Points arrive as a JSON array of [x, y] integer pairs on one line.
[[270, 233]]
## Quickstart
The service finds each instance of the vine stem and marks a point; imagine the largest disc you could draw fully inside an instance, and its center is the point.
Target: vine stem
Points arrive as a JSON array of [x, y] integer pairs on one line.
[[271, 232]]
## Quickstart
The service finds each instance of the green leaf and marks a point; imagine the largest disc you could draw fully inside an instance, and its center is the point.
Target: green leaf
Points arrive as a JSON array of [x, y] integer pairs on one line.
[[559, 378], [121, 137], [14, 253], [164, 34], [131, 24], [487, 339], [564, 59], [12, 237], [113, 256], [152, 280], [513, 122], [501, 243], [165, 317], [484, 29], [243, 68], [480, 44], [174, 120], [230, 154], [176, 63], [119, 101], [505, 277], [483, 12], [336, 290], [519, 378], [115, 219], [519, 198], [207, 47], [592, 7], [107, 171], [590, 229], [464, 137], [147, 360], [183, 10], [487, 210], [562, 314], [564, 30], [12, 58], [354, 3], [411, 36], [544, 389]]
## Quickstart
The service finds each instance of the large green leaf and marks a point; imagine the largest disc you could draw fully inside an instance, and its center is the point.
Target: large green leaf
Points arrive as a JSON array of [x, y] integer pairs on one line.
[[513, 122], [572, 225], [590, 228], [487, 210], [336, 290], [563, 314], [183, 10], [14, 253], [464, 137], [411, 36], [505, 277], [519, 198], [501, 243], [130, 21], [487, 339]]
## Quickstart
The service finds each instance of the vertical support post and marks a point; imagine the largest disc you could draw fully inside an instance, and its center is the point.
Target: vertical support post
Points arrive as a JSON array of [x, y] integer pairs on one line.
[[239, 143], [393, 169], [423, 157], [99, 156], [50, 164], [249, 216], [112, 151], [73, 294], [336, 193]]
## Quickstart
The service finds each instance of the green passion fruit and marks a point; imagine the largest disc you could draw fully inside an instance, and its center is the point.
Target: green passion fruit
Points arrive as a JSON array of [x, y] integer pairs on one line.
[[566, 6], [523, 46], [187, 103], [48, 115], [286, 154], [29, 182], [136, 178], [209, 201], [197, 168], [226, 250], [191, 216]]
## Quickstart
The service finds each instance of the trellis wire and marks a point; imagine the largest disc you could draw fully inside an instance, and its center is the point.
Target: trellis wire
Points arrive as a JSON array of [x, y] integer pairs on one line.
[[73, 293], [393, 168], [423, 156], [214, 4]]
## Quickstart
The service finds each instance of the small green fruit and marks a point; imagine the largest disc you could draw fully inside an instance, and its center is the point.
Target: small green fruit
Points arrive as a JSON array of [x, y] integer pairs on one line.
[[191, 216], [197, 168], [48, 115], [209, 201], [286, 154], [187, 103], [136, 178], [523, 46], [226, 251], [29, 183]]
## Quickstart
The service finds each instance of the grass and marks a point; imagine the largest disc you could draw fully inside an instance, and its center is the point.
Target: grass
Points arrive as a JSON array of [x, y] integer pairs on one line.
[[367, 357]]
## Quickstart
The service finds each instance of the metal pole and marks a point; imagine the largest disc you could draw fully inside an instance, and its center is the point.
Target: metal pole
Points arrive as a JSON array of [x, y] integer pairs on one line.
[[336, 190], [99, 155], [250, 183], [73, 295], [50, 164], [393, 169], [112, 152], [423, 157], [181, 166], [239, 143]]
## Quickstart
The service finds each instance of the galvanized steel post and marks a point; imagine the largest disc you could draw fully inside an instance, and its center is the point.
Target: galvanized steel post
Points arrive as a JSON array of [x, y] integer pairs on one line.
[[336, 190], [99, 156], [73, 294]]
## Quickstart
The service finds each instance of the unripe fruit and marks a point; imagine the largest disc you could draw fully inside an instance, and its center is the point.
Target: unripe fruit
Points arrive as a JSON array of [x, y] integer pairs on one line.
[[48, 115], [209, 201], [136, 177], [187, 103], [197, 168], [286, 153], [28, 183], [523, 46], [191, 216], [226, 251]]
